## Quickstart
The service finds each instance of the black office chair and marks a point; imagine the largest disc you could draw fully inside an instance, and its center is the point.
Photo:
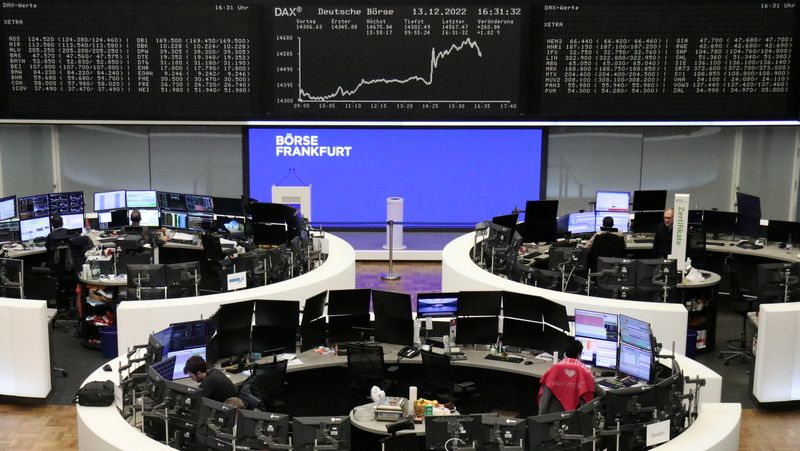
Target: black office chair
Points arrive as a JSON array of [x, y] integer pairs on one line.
[[440, 383], [605, 245], [365, 369], [741, 303], [268, 381]]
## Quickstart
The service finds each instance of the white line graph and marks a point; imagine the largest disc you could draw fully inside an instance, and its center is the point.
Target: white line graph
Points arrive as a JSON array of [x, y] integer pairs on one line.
[[340, 91]]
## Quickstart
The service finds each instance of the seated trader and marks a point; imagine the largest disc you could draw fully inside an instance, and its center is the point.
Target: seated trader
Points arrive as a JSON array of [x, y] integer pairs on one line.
[[662, 242], [608, 242], [58, 233], [568, 384], [136, 218], [214, 383]]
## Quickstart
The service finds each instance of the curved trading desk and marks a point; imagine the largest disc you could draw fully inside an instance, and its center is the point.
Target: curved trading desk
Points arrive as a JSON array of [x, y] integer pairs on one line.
[[24, 348], [460, 273], [717, 426], [137, 319]]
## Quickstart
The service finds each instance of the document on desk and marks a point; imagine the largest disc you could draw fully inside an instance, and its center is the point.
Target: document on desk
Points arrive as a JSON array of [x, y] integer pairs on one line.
[[182, 236], [294, 362], [657, 433]]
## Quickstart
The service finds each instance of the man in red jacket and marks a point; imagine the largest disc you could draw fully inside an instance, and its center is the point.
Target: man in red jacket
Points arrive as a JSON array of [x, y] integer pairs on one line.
[[568, 384]]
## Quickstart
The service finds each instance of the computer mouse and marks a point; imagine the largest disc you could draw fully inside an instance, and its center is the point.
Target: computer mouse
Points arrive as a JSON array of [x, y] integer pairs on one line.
[[106, 367], [528, 362]]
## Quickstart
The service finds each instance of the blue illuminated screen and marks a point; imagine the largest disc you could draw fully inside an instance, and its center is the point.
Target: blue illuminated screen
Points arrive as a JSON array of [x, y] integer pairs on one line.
[[635, 362], [445, 176]]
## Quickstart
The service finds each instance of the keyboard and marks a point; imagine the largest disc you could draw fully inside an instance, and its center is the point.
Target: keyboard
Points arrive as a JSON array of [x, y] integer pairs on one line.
[[642, 240], [714, 243], [457, 356], [616, 383], [504, 358]]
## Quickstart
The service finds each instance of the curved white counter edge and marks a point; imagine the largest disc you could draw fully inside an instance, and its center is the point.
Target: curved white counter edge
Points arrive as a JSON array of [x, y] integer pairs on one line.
[[460, 273], [24, 348], [137, 319], [716, 427], [776, 377]]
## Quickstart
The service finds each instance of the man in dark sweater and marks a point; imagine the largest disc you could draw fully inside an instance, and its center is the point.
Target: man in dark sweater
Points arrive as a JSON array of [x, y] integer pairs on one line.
[[662, 242], [214, 383]]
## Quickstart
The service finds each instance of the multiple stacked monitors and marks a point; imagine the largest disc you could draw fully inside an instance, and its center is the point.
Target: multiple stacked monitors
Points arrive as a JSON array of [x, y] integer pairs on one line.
[[598, 334], [636, 348]]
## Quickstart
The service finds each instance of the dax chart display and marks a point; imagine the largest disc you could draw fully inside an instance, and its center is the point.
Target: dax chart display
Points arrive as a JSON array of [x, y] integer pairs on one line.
[[448, 60]]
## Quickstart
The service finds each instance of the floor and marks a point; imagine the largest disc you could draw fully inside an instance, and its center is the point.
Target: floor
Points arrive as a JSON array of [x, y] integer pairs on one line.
[[52, 426]]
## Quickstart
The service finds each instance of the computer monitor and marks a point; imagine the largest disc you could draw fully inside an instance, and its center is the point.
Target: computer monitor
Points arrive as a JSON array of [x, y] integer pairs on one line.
[[563, 430], [314, 307], [620, 220], [141, 199], [608, 201], [747, 226], [171, 201], [652, 275], [230, 343], [236, 315], [231, 206], [646, 221], [507, 221], [598, 325], [115, 219], [173, 219], [109, 200], [567, 259], [477, 330], [333, 432], [182, 279], [165, 369], [66, 203], [274, 339], [8, 208], [634, 332], [270, 234], [394, 321], [150, 218], [347, 328], [189, 334], [232, 225], [199, 222], [540, 221], [216, 424], [650, 200], [432, 305], [30, 229], [783, 231], [601, 353], [11, 278], [505, 431], [549, 280], [523, 334], [629, 406], [445, 432], [261, 430], [748, 204], [616, 272], [582, 222], [479, 303], [349, 302], [157, 345], [73, 222], [522, 306], [9, 231], [152, 276], [777, 281], [34, 206], [635, 362], [199, 204], [719, 222], [695, 217], [313, 334]]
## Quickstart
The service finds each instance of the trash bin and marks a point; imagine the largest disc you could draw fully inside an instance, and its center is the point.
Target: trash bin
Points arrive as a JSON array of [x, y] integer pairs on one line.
[[108, 342], [691, 343]]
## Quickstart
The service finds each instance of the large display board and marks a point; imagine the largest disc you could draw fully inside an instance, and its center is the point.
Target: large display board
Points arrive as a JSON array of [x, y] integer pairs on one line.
[[447, 177], [585, 60]]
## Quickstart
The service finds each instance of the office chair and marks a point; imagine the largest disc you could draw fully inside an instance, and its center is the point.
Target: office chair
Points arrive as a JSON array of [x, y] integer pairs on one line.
[[58, 282], [269, 380], [365, 368], [440, 383], [741, 303], [605, 245]]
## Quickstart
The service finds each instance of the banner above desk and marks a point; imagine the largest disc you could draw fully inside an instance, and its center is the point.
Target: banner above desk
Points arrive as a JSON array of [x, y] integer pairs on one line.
[[515, 60]]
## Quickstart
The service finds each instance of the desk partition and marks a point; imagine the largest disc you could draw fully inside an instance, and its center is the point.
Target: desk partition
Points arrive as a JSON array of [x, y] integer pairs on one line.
[[24, 348], [460, 273], [776, 377], [136, 319]]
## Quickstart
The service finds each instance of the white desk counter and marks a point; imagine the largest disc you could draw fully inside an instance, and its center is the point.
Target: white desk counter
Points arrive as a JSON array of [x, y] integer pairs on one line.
[[776, 376], [716, 428], [137, 319], [460, 273]]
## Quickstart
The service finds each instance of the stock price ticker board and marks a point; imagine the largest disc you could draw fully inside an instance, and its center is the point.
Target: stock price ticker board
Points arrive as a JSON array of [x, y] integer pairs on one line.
[[144, 59], [669, 59], [535, 60]]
